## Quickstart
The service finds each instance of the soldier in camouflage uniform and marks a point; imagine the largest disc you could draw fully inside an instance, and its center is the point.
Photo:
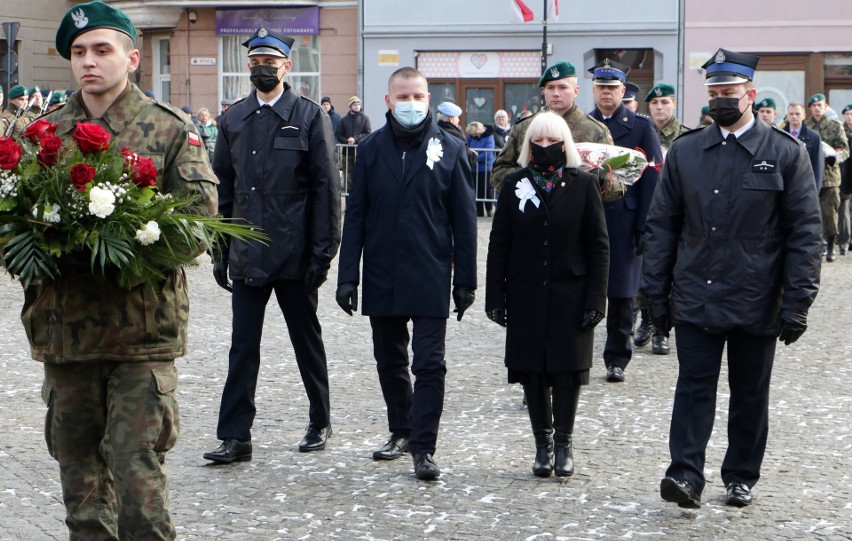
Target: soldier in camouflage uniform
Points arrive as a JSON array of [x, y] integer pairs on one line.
[[767, 110], [662, 104], [560, 89], [35, 102], [17, 99], [833, 135], [108, 352]]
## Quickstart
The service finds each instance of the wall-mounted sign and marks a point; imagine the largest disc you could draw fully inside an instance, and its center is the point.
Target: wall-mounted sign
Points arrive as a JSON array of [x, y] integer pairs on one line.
[[203, 61], [389, 57], [285, 21]]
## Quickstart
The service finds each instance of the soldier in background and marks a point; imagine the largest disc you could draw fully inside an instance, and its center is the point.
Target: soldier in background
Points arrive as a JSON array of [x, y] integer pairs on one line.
[[631, 96], [36, 100], [833, 135], [559, 84], [18, 99], [705, 119], [767, 110], [110, 389], [662, 103], [57, 99]]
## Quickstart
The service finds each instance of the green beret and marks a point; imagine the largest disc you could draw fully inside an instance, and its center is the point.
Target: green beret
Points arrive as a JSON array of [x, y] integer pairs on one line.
[[847, 108], [705, 110], [660, 90], [815, 98], [84, 17], [33, 90], [57, 97], [17, 91], [766, 102], [559, 70]]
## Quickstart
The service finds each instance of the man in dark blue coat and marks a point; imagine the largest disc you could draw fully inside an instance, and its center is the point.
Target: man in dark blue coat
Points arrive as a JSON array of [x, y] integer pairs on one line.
[[732, 262], [625, 218], [795, 126], [275, 161], [411, 213]]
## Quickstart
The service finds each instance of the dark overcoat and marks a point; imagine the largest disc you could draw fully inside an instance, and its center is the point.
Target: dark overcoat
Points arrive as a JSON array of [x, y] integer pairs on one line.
[[546, 266], [277, 171], [413, 224], [733, 235], [813, 144], [625, 218]]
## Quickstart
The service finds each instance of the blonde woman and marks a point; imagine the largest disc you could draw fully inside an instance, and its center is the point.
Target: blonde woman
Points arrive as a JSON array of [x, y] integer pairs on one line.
[[546, 280]]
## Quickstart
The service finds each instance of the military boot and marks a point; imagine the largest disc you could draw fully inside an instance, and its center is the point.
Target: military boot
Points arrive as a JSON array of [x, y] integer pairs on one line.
[[830, 255], [645, 330], [660, 343]]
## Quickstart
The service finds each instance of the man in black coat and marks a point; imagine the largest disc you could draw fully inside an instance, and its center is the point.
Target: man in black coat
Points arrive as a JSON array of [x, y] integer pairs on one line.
[[795, 126], [732, 260], [275, 162], [625, 218], [411, 214]]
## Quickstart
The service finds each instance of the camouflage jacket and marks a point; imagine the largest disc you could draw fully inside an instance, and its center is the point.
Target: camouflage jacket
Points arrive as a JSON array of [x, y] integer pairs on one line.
[[6, 118], [671, 131], [83, 316], [832, 133], [584, 129]]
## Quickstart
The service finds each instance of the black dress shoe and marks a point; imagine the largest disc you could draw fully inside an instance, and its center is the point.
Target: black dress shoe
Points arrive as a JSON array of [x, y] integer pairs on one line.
[[614, 374], [660, 346], [425, 468], [315, 439], [680, 492], [739, 494], [393, 449], [231, 450]]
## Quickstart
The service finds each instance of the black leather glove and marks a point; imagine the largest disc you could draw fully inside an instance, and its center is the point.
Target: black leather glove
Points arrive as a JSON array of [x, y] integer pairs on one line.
[[220, 273], [316, 275], [639, 242], [463, 297], [590, 319], [498, 316], [793, 325], [829, 161], [347, 297], [661, 316]]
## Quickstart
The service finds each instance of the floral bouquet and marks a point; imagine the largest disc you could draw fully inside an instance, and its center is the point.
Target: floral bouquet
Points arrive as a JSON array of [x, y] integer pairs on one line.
[[617, 167], [85, 198]]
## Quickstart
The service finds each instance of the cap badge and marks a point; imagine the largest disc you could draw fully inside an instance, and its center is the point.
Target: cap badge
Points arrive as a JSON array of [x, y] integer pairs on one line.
[[606, 63], [262, 33], [554, 72], [720, 57], [80, 19], [658, 91]]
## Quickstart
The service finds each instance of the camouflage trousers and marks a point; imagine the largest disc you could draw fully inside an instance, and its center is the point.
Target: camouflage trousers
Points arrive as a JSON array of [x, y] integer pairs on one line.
[[109, 425], [829, 202]]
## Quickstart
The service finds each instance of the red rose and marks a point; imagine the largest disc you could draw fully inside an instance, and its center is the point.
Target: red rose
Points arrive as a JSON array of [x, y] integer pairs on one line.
[[144, 172], [10, 153], [36, 131], [49, 153], [90, 138], [81, 174]]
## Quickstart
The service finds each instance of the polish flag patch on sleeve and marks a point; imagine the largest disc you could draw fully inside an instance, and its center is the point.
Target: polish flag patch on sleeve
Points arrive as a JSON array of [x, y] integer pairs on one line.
[[194, 139]]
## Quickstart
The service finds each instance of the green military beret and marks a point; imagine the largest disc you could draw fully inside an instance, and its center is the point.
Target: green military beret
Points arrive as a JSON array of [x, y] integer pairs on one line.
[[18, 91], [766, 102], [815, 98], [559, 70], [847, 108], [33, 90], [57, 97], [660, 90], [84, 17], [705, 110]]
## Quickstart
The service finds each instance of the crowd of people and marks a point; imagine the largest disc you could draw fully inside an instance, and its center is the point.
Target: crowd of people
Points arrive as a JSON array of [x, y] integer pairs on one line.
[[718, 239]]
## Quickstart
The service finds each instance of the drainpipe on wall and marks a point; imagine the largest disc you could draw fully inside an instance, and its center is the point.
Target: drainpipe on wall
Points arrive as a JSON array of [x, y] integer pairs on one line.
[[359, 55]]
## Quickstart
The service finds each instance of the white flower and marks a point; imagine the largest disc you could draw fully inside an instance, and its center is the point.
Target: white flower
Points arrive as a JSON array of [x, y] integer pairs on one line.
[[434, 152], [51, 213], [526, 192], [101, 202], [149, 235]]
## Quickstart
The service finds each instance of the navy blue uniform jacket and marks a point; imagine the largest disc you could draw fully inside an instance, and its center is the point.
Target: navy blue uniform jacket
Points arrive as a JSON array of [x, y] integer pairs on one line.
[[625, 218], [813, 144], [412, 223]]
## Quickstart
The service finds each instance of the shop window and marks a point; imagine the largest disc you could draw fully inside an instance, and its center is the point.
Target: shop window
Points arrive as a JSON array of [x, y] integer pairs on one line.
[[520, 97], [303, 76]]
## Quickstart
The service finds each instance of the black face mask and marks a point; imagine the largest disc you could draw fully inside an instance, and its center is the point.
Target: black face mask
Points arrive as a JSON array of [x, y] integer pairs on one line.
[[547, 159], [264, 78], [725, 111]]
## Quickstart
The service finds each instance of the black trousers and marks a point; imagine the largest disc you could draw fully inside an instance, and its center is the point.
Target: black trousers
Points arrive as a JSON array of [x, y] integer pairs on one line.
[[416, 412], [237, 411], [619, 321], [750, 359]]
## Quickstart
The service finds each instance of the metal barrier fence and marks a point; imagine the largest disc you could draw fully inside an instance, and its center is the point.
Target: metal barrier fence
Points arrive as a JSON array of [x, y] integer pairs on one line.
[[481, 180]]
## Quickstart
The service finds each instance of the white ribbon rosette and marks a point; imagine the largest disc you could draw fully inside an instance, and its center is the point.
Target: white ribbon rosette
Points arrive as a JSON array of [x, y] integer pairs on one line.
[[434, 152], [525, 192]]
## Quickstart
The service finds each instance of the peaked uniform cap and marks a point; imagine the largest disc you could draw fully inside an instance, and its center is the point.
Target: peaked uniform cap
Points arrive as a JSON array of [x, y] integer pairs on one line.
[[730, 68], [660, 90], [84, 17], [557, 71], [609, 73], [267, 42], [631, 92]]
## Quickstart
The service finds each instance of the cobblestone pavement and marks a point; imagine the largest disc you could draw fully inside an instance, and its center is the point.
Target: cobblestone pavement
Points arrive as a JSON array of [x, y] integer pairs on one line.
[[485, 448]]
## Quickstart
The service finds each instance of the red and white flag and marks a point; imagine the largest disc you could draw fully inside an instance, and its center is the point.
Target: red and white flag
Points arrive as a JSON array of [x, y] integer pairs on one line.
[[553, 10], [523, 12]]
